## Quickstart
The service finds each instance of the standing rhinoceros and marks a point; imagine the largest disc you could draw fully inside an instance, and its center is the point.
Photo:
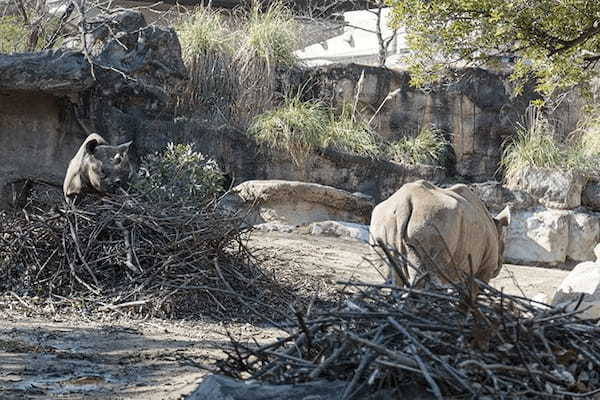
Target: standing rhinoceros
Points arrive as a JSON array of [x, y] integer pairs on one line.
[[97, 167], [446, 232]]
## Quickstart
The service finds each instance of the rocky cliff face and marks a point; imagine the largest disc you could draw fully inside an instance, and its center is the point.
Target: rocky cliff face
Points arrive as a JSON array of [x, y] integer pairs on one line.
[[477, 112]]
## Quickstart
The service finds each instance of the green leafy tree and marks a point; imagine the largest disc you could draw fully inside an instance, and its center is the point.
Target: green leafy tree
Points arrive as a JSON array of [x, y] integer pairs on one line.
[[558, 42]]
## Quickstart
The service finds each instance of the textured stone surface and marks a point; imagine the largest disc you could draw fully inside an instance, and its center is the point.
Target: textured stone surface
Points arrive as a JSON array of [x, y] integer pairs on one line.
[[584, 280], [344, 230], [537, 237], [584, 234], [299, 203], [56, 71], [477, 112], [590, 197], [554, 189], [496, 196], [217, 387]]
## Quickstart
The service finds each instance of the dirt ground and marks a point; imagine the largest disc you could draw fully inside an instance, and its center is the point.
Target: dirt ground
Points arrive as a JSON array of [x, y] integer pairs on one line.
[[73, 356]]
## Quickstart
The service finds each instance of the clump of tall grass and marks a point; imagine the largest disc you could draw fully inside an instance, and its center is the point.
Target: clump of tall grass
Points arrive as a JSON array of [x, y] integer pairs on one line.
[[13, 34], [231, 64], [299, 127], [272, 35], [348, 133], [536, 145], [203, 32], [429, 146], [296, 127]]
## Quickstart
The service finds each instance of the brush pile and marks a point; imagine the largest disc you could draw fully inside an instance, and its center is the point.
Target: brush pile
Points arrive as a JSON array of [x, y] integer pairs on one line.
[[123, 251], [495, 347], [164, 248]]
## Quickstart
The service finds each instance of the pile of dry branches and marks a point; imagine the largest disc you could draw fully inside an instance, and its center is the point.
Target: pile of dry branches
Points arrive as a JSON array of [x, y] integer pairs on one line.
[[127, 254], [497, 346]]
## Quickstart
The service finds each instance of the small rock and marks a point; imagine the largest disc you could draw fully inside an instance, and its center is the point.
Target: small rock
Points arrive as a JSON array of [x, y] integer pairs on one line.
[[344, 230]]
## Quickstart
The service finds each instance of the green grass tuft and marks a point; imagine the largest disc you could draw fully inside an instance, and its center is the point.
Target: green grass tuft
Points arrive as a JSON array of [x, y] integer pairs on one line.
[[536, 146], [428, 147], [296, 127], [203, 32], [349, 134], [272, 35]]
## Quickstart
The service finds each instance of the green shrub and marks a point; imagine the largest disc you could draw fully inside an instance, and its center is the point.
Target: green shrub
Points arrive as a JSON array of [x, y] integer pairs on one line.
[[428, 147], [536, 145], [179, 174]]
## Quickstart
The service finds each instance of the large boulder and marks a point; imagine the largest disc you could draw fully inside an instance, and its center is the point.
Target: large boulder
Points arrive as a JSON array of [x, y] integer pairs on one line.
[[537, 237], [583, 280], [554, 189], [300, 203], [584, 233]]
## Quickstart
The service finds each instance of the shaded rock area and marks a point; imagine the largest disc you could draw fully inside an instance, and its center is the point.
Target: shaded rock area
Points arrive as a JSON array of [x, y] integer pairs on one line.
[[496, 196], [590, 197]]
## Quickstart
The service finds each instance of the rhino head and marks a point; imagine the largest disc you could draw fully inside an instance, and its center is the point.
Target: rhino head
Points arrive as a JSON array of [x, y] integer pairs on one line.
[[97, 167], [501, 220]]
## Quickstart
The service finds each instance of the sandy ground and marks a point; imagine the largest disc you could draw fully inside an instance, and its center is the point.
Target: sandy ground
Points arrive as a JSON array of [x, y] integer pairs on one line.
[[95, 357]]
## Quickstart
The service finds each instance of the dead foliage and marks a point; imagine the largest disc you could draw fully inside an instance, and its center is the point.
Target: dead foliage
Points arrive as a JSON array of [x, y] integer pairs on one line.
[[126, 254], [494, 347]]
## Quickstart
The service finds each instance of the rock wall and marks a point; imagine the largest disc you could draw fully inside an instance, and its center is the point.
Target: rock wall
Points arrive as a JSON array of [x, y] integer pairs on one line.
[[545, 232], [477, 112], [242, 159]]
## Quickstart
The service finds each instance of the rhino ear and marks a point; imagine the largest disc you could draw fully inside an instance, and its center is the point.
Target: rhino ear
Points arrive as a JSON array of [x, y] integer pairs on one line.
[[124, 148], [503, 219], [90, 146]]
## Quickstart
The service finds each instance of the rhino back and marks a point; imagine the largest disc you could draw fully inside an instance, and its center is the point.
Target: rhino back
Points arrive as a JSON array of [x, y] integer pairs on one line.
[[444, 225]]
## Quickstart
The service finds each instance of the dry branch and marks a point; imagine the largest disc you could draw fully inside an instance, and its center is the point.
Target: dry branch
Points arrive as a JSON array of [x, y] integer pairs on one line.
[[498, 346], [147, 257]]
